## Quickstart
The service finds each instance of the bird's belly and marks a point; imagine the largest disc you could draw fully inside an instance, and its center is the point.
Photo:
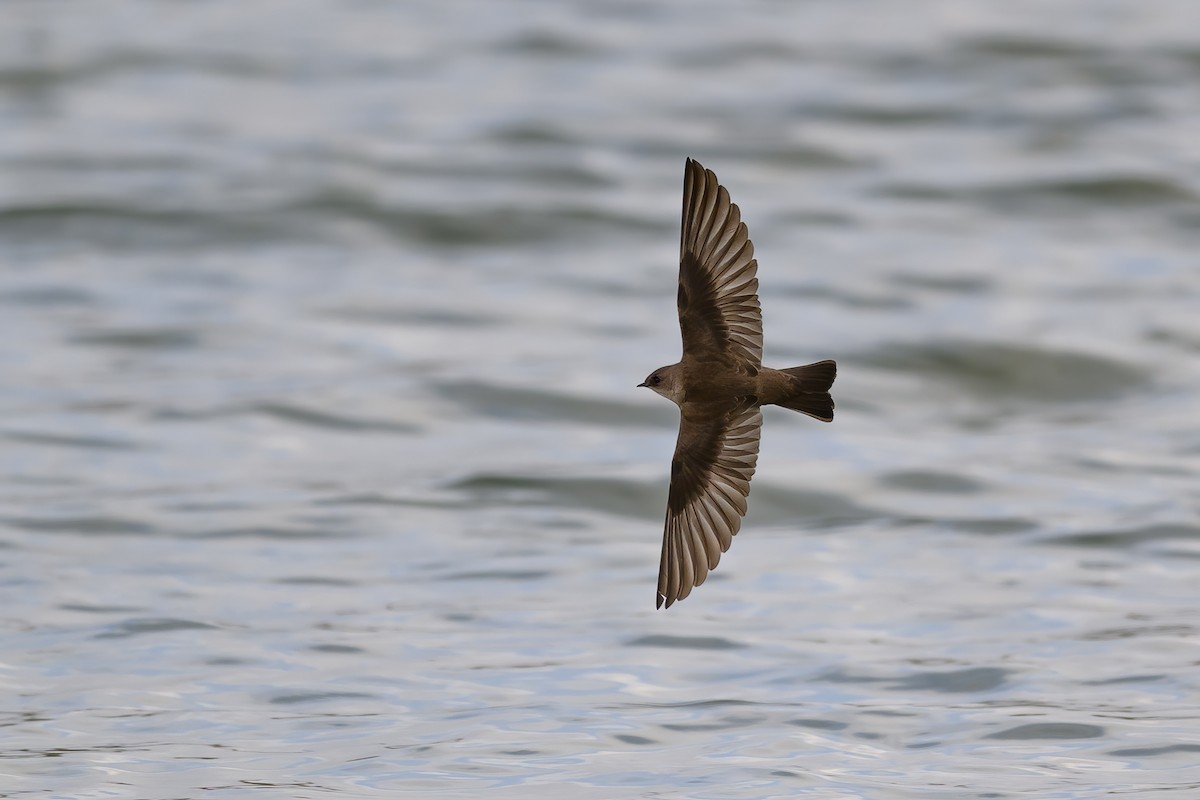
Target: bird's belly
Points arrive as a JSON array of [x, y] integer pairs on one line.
[[707, 383]]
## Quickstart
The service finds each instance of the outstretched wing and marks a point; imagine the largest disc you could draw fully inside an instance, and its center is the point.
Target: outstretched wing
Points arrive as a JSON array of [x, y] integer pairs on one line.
[[719, 313], [710, 479]]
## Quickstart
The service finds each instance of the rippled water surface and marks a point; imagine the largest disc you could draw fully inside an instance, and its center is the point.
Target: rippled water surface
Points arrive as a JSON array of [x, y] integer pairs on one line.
[[322, 469]]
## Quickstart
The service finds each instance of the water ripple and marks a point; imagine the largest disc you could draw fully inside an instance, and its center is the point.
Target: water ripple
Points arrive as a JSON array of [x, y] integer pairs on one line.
[[508, 402], [1049, 730], [991, 370], [1118, 192], [152, 625], [1131, 537], [64, 440], [323, 419], [685, 642], [89, 525], [155, 338], [610, 495]]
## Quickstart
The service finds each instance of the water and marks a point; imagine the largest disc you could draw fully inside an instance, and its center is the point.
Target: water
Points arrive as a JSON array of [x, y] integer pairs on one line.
[[323, 470]]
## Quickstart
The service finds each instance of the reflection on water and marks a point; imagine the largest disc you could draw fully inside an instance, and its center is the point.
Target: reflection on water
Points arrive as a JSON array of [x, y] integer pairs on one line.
[[323, 466]]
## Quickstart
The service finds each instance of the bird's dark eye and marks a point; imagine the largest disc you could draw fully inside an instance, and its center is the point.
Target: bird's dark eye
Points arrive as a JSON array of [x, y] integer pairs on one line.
[[655, 380]]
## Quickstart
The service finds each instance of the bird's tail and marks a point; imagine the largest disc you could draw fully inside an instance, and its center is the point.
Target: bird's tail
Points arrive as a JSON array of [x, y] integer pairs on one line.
[[811, 395]]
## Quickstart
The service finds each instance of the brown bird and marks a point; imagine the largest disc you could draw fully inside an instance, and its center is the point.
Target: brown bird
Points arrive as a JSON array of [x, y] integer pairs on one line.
[[719, 385]]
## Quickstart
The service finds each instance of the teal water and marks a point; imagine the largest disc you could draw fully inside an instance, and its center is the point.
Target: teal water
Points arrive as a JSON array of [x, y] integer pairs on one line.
[[322, 469]]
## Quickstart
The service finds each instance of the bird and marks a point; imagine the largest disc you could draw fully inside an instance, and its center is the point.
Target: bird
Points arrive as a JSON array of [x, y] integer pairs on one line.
[[720, 386]]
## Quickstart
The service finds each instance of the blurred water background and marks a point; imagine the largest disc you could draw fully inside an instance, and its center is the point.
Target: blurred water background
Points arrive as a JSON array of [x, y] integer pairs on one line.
[[322, 469]]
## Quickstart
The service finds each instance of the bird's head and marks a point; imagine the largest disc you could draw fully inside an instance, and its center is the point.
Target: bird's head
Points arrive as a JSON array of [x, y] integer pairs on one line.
[[666, 381]]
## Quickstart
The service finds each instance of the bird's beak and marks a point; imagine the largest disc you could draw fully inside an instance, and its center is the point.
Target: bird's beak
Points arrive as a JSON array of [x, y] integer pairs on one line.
[[640, 385]]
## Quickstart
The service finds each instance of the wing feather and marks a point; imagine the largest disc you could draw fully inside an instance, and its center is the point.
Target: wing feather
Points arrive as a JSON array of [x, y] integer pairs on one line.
[[714, 461], [719, 314]]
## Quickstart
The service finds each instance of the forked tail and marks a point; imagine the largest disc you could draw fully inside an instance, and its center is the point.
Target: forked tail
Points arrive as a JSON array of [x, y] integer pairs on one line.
[[811, 395]]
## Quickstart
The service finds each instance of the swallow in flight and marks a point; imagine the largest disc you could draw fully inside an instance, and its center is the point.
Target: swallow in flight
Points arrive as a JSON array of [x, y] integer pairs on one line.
[[720, 385]]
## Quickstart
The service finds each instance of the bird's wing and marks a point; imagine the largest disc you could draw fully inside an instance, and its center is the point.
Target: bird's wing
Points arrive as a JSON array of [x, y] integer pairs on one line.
[[710, 479], [719, 313]]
